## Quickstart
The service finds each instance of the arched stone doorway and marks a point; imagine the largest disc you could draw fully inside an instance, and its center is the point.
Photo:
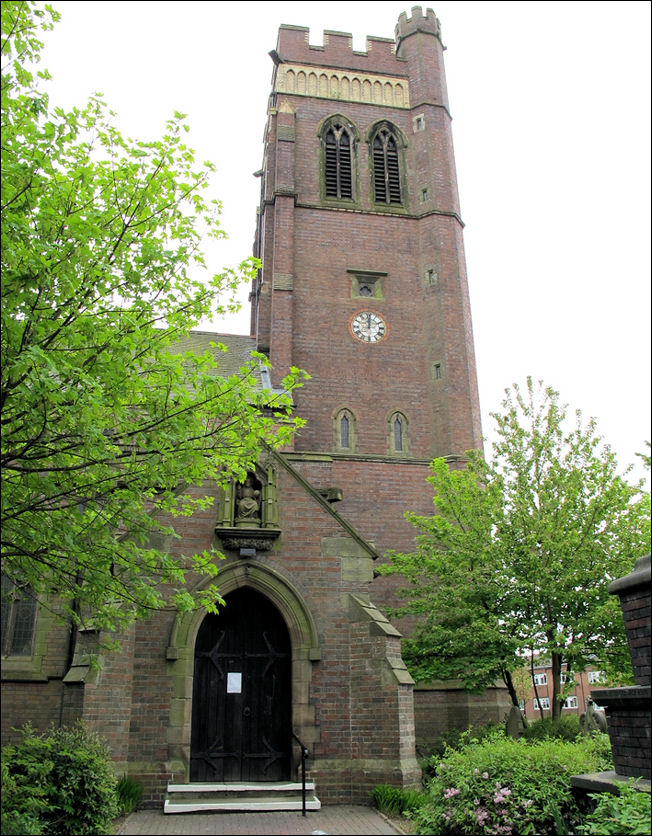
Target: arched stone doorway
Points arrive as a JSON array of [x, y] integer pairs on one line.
[[241, 705], [181, 652]]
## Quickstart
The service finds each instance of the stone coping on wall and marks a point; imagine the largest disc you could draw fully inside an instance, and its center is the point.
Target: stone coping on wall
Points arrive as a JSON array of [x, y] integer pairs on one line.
[[640, 576], [608, 782], [629, 696]]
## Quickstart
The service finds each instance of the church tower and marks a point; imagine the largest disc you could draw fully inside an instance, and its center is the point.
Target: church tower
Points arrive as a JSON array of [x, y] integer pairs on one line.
[[363, 285], [363, 282]]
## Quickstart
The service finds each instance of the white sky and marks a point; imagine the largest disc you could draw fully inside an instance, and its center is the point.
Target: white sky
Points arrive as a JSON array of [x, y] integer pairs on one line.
[[551, 123]]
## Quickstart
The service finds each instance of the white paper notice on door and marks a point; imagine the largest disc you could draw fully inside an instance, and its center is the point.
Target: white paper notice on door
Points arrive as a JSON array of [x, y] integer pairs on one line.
[[233, 683]]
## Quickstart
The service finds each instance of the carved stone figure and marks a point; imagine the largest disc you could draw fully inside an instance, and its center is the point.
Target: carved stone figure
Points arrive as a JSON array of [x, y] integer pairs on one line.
[[248, 503]]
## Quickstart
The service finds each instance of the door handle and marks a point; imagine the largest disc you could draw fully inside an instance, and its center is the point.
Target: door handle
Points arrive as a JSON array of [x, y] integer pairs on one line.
[[246, 711]]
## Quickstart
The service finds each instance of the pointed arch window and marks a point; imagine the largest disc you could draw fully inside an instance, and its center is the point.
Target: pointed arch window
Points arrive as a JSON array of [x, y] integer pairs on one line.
[[386, 169], [398, 434], [18, 619], [338, 160], [344, 430]]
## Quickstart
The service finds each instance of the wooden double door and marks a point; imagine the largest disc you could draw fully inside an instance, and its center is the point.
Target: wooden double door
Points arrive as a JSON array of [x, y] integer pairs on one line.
[[241, 707]]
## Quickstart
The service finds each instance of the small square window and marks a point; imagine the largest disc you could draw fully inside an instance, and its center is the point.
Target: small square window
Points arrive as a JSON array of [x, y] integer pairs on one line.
[[419, 123], [424, 195], [436, 370], [431, 277]]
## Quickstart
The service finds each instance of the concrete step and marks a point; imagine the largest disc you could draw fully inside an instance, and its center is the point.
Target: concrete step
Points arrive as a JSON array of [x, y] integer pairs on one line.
[[239, 796]]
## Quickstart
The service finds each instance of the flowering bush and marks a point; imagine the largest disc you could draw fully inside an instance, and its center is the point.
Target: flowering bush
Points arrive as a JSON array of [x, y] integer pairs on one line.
[[505, 786]]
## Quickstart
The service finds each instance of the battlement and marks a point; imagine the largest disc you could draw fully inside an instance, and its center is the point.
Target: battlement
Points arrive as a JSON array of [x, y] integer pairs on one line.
[[380, 56], [419, 22]]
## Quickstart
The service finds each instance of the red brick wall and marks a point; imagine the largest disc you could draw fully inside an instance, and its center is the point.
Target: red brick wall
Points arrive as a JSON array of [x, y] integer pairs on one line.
[[427, 324]]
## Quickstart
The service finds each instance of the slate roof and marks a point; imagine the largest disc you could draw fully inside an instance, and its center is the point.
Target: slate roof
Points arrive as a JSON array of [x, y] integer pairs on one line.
[[229, 362], [238, 351]]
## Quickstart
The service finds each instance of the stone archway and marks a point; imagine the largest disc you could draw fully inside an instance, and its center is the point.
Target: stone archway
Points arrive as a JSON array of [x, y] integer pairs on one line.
[[304, 651]]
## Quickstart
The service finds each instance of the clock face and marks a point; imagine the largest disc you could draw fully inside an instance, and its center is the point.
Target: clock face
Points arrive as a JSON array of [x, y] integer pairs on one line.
[[368, 327]]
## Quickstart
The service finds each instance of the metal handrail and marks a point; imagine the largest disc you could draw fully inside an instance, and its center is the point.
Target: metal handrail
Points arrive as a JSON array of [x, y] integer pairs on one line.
[[304, 754]]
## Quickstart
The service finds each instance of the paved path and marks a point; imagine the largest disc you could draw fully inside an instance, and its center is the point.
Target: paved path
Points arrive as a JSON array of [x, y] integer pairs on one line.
[[336, 820]]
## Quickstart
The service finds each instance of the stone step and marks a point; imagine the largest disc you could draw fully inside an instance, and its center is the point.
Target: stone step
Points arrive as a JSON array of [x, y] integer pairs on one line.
[[239, 796]]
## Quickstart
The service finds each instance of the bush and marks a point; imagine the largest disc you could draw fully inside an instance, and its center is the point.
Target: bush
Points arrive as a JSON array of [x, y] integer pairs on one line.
[[506, 786], [566, 728], [60, 782], [396, 800], [22, 802], [453, 739], [626, 813], [129, 794]]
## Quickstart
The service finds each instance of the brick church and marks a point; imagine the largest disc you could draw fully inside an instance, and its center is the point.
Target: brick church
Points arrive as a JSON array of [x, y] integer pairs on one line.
[[364, 286]]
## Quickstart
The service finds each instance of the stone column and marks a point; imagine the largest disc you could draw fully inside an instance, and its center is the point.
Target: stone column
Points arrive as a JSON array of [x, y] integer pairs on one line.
[[628, 709]]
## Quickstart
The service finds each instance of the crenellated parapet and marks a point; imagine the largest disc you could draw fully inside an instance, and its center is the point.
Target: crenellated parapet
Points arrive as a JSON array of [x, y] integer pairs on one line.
[[294, 46], [428, 23]]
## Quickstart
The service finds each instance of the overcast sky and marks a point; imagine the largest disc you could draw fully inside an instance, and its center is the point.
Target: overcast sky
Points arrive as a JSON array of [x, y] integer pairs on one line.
[[551, 124]]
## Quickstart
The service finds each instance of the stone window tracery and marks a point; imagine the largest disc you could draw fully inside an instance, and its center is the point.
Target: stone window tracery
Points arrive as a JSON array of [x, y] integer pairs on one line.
[[18, 619]]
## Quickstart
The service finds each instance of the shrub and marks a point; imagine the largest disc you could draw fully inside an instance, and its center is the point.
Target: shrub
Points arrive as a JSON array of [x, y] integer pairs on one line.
[[59, 782], [129, 794], [453, 739], [22, 802], [626, 813], [396, 800], [566, 728], [506, 786]]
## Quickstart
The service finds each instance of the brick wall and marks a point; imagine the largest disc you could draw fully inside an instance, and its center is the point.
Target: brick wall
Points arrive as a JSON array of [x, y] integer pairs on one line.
[[635, 606]]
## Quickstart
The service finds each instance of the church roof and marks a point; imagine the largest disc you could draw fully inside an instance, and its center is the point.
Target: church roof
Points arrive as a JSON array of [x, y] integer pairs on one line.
[[229, 362], [237, 354]]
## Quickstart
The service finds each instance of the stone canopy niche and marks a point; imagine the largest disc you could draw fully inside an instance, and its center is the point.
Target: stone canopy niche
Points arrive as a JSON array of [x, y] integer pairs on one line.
[[247, 514]]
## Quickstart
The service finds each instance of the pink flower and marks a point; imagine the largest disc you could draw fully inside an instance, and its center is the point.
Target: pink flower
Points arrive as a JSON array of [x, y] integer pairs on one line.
[[485, 775], [450, 792]]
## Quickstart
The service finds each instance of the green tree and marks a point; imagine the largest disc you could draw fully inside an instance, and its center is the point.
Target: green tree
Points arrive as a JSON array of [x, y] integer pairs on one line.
[[105, 422], [518, 557]]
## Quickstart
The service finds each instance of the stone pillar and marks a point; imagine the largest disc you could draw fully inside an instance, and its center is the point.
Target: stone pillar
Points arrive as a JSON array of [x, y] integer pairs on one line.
[[628, 709]]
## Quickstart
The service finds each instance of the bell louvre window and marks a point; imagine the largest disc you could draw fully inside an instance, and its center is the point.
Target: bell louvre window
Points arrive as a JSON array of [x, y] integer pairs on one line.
[[337, 163], [387, 182]]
